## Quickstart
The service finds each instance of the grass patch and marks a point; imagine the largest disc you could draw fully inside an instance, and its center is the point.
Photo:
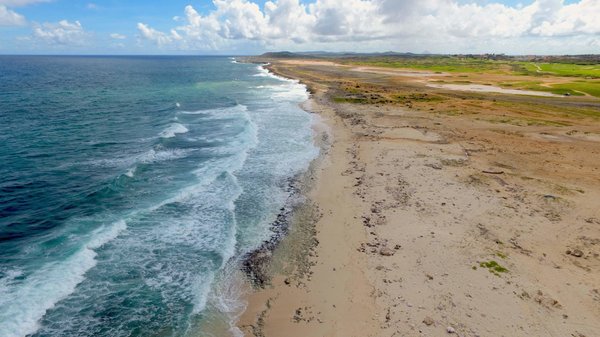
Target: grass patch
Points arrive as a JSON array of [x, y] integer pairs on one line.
[[589, 87], [493, 267], [547, 111], [349, 100], [417, 97], [564, 69], [452, 64], [536, 86]]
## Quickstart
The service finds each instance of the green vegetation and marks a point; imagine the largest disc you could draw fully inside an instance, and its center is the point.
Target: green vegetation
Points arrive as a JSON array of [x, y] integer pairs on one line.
[[577, 88], [493, 267], [589, 87], [470, 65], [501, 255], [437, 64], [564, 69], [350, 100], [550, 113], [537, 86], [417, 97]]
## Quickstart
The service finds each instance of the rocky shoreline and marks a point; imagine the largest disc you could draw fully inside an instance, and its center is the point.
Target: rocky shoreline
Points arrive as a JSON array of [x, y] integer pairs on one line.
[[256, 264]]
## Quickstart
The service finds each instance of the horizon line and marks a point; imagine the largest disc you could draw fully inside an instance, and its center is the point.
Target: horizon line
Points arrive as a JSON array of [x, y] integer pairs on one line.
[[301, 53]]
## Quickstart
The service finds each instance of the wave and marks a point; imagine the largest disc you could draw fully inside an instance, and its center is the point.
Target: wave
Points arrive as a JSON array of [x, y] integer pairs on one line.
[[25, 302], [172, 130], [259, 147], [264, 72], [149, 157], [217, 112], [153, 156]]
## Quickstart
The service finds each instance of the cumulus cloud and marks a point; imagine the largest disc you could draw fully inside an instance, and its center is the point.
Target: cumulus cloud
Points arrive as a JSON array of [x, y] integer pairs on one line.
[[61, 33], [16, 3], [156, 36], [118, 36], [10, 18], [376, 23]]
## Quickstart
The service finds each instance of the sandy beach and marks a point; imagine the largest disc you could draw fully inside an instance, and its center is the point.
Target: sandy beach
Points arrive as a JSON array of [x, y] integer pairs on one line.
[[475, 214]]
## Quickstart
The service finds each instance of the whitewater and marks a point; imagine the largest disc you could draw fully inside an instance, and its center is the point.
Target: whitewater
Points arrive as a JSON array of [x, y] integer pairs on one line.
[[135, 186]]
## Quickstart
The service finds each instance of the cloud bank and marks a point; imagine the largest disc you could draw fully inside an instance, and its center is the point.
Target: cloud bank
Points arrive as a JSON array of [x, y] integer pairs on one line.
[[382, 25]]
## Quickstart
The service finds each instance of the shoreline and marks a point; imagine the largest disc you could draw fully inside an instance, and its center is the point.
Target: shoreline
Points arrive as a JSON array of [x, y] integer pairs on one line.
[[425, 220], [292, 262]]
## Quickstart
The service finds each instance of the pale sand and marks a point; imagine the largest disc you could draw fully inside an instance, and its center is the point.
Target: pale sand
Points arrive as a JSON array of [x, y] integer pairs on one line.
[[408, 215], [492, 89]]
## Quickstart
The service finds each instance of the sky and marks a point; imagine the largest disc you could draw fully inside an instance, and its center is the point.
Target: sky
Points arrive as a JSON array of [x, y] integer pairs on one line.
[[246, 27]]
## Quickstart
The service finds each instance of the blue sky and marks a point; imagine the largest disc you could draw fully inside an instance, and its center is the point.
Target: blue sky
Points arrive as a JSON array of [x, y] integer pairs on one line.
[[39, 26]]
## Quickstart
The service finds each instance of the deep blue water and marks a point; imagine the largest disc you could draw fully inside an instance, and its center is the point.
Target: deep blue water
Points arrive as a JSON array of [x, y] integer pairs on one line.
[[130, 185]]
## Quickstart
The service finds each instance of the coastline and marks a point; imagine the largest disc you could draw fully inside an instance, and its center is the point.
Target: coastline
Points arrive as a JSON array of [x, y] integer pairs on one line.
[[414, 225], [310, 253]]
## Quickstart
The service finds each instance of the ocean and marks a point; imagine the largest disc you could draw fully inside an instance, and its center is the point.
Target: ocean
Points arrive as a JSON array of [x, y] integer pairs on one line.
[[131, 187]]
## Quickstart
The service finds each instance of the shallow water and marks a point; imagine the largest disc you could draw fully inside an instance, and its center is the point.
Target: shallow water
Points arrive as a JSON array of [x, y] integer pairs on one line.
[[130, 186]]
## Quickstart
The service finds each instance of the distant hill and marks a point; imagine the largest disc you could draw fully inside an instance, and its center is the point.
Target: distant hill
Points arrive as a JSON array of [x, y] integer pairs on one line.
[[324, 54], [579, 59], [283, 55]]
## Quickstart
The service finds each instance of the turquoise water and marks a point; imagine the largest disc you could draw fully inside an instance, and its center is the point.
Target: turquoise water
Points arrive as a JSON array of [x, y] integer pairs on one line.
[[131, 186]]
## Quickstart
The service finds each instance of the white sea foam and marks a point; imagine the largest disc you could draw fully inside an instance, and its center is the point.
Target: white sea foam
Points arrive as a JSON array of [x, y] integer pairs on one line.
[[227, 294], [264, 72], [172, 130], [218, 112], [153, 156], [131, 172], [26, 301]]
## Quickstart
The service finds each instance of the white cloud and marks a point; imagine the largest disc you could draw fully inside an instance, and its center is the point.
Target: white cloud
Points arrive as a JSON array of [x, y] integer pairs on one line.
[[156, 36], [17, 3], [10, 18], [378, 24], [62, 33], [118, 36]]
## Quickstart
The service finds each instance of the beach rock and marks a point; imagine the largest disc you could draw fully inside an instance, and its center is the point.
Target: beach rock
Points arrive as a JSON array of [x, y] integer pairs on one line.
[[385, 251], [450, 330], [434, 166], [577, 253], [428, 321]]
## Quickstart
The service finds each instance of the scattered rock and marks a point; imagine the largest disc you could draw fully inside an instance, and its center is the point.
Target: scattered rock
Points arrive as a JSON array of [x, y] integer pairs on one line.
[[450, 330], [576, 253], [385, 251], [492, 172], [428, 321], [434, 166]]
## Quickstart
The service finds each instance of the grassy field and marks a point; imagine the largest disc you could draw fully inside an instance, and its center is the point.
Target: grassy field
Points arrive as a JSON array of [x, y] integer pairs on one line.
[[438, 63], [537, 86], [588, 74], [576, 88], [564, 69]]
